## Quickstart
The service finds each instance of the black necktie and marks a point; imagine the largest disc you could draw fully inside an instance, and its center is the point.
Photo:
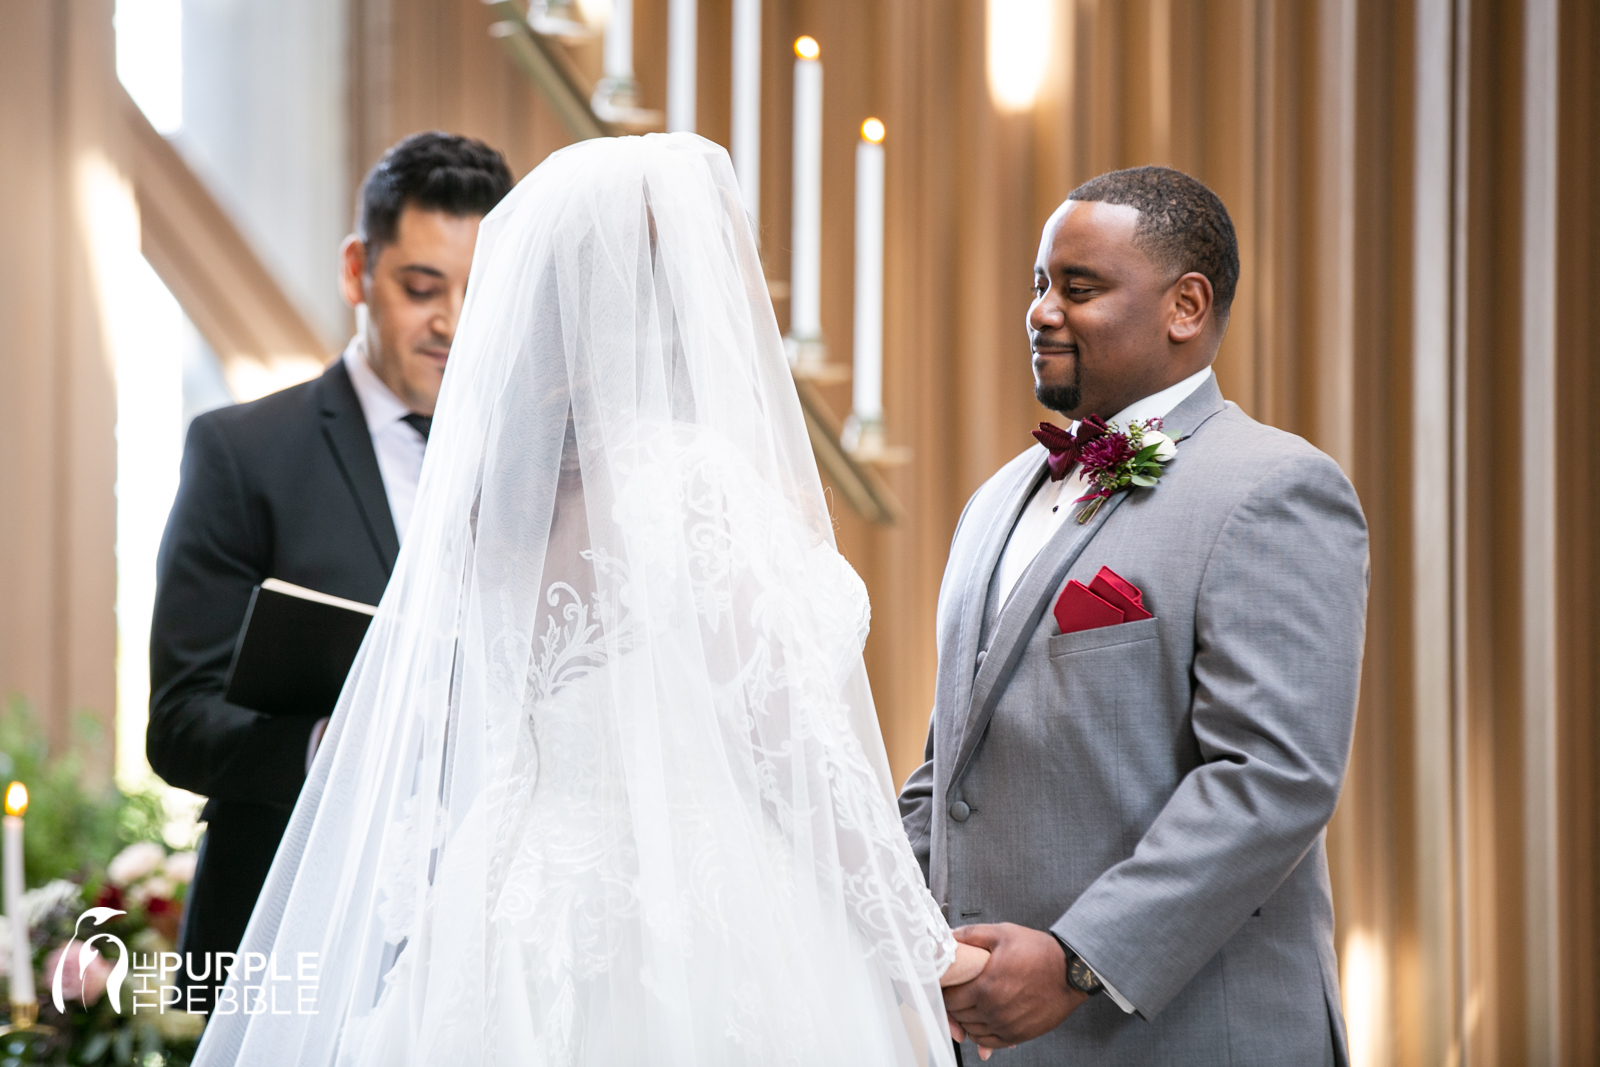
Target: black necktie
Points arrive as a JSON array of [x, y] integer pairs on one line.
[[420, 423]]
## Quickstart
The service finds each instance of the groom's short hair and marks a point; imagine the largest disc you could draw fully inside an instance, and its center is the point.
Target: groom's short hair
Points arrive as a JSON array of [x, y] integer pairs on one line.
[[435, 172], [1182, 226]]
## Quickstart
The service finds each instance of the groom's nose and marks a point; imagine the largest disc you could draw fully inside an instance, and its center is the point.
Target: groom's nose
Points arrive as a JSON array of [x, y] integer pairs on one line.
[[1045, 315]]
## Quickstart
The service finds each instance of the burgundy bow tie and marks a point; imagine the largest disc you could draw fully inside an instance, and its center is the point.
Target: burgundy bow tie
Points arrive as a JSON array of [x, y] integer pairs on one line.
[[1064, 447]]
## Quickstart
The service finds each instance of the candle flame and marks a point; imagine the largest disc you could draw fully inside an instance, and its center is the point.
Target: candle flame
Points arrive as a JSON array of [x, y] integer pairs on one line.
[[807, 48], [872, 130], [16, 798]]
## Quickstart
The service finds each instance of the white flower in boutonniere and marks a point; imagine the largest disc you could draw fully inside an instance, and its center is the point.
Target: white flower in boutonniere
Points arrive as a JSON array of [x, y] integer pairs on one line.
[[1165, 446], [1114, 459]]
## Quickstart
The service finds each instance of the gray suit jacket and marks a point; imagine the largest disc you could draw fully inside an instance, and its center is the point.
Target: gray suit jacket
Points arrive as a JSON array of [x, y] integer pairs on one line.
[[1156, 793]]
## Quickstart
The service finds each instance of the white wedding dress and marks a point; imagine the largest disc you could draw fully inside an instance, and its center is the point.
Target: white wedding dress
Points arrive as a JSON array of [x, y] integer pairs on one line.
[[606, 785]]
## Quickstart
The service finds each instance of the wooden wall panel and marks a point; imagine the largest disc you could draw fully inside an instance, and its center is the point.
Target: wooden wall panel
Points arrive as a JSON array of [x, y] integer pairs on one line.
[[432, 64], [58, 404]]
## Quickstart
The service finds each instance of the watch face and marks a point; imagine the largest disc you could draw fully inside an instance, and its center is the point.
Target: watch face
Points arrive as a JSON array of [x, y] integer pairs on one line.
[[1081, 977]]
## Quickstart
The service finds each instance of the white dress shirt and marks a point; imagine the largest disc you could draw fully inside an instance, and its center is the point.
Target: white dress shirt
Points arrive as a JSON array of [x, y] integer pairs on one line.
[[1052, 502], [397, 443]]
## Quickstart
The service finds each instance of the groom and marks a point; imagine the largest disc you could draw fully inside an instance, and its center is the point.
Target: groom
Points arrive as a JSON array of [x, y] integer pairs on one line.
[[1144, 709]]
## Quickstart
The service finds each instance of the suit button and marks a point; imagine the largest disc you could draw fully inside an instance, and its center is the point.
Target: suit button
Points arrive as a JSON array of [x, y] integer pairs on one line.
[[959, 811], [982, 654]]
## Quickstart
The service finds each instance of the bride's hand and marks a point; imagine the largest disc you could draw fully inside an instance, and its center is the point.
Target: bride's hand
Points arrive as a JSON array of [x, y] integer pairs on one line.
[[969, 963]]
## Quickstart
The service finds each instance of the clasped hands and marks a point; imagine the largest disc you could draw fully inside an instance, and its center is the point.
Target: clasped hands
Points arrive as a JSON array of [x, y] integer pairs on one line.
[[1018, 993]]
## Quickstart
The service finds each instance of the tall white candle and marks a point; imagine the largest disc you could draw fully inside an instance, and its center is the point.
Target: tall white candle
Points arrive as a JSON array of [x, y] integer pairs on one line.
[[747, 105], [619, 42], [21, 944], [615, 95], [682, 31], [805, 272], [867, 386]]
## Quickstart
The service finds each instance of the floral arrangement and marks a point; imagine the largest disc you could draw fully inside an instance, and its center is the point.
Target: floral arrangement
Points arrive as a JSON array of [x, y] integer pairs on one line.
[[148, 883], [88, 847], [1113, 459]]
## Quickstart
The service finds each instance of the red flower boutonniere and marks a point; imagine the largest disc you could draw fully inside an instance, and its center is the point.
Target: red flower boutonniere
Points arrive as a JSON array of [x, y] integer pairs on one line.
[[1114, 459]]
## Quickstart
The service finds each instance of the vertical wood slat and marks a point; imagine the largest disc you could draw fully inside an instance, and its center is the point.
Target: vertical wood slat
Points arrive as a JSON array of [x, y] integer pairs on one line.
[[31, 195], [1335, 184], [1578, 355], [1459, 1047], [1539, 522], [1432, 433]]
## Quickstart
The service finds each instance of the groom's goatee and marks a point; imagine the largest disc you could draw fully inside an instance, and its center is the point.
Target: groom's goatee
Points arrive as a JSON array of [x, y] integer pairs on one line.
[[1059, 398]]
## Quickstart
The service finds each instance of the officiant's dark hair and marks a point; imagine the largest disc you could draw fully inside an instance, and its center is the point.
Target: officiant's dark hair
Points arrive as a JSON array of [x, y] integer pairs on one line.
[[433, 171], [1182, 224]]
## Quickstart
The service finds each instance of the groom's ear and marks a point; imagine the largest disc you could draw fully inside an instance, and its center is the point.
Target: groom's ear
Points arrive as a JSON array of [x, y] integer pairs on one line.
[[1192, 301], [353, 270]]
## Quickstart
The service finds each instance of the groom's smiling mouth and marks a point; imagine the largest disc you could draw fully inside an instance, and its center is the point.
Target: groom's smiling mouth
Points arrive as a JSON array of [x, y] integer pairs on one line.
[[1048, 349]]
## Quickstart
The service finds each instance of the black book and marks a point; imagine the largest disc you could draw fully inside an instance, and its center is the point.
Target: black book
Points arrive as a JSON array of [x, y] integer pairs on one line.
[[295, 649]]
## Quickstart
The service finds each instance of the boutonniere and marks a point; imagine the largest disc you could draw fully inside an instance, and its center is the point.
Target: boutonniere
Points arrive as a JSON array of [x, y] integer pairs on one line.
[[1114, 459]]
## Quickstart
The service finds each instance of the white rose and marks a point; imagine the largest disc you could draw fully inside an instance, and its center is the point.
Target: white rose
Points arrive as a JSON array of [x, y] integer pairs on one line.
[[138, 860], [156, 887], [180, 867], [1165, 448]]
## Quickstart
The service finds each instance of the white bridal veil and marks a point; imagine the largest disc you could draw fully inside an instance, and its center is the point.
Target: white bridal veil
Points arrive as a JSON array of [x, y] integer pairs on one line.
[[605, 785]]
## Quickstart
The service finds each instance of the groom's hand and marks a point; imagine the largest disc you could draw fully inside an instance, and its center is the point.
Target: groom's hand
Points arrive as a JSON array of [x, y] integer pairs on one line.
[[1022, 992]]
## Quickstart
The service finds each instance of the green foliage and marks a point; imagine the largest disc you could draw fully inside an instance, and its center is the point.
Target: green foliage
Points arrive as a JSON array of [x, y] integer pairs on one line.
[[73, 829]]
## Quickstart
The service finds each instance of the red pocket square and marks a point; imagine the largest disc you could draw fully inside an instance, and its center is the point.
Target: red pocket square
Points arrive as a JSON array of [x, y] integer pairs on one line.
[[1079, 609], [1120, 593]]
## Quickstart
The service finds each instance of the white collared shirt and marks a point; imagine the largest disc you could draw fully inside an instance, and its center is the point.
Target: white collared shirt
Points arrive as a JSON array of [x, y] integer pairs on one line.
[[1052, 502], [398, 445]]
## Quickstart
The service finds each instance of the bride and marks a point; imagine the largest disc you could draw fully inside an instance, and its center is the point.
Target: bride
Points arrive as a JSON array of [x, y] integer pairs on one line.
[[605, 785]]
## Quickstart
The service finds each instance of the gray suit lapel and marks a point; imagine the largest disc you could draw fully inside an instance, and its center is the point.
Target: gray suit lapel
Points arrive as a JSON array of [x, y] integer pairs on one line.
[[1196, 408], [1020, 615]]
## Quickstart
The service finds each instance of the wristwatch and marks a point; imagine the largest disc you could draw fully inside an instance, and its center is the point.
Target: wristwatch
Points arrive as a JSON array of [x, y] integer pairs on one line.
[[1080, 975]]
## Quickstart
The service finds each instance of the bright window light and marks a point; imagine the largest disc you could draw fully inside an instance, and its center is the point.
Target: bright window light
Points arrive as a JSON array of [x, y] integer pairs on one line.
[[150, 58], [145, 328], [1020, 34]]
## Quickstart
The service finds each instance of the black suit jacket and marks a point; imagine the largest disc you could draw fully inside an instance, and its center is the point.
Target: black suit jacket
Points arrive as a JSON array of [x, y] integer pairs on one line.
[[285, 487]]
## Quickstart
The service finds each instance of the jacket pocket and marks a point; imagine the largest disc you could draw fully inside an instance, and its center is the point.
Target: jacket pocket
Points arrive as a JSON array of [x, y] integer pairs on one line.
[[1103, 637]]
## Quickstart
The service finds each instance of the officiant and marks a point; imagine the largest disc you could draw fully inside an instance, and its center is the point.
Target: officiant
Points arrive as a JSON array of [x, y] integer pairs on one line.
[[312, 485]]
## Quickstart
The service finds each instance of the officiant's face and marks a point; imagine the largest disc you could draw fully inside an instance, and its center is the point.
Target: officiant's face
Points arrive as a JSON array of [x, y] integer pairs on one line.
[[413, 291], [1101, 315]]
